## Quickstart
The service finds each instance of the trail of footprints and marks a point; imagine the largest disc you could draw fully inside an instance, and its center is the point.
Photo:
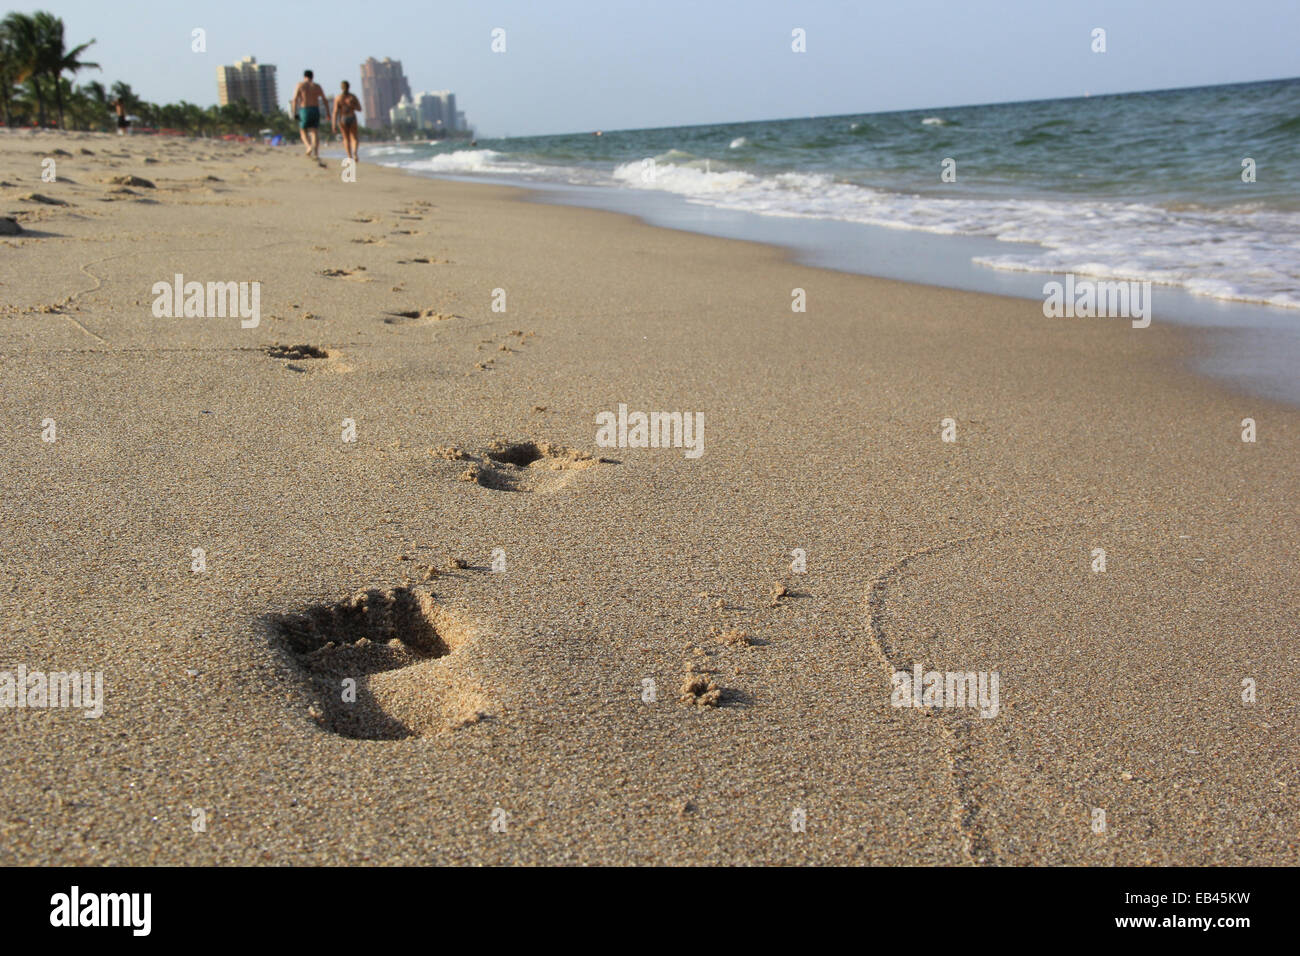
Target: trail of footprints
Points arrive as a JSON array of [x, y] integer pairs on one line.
[[397, 645], [400, 647]]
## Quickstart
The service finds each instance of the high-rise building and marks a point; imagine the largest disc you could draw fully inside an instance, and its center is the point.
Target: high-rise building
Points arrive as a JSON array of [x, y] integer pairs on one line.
[[248, 82], [405, 113], [382, 87], [430, 106], [438, 110]]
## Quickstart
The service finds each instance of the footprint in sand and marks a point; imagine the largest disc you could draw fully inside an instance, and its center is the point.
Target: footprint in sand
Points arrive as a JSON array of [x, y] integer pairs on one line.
[[383, 665], [419, 316], [304, 358], [295, 352], [43, 200], [135, 181], [114, 195], [526, 466], [349, 274]]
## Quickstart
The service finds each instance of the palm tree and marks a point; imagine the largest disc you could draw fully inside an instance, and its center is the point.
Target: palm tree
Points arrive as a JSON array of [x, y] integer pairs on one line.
[[25, 43], [96, 93], [94, 108], [71, 62], [123, 94], [8, 72], [196, 120], [87, 106], [54, 57]]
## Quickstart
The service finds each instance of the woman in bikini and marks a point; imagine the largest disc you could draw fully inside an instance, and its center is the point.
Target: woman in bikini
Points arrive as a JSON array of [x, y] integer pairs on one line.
[[346, 108]]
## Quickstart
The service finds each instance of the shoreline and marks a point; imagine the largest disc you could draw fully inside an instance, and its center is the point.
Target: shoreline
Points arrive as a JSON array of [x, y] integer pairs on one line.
[[1119, 689], [1249, 347]]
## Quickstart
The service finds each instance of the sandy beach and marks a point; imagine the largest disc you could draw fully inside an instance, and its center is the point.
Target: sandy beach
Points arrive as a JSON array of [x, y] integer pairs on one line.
[[572, 653]]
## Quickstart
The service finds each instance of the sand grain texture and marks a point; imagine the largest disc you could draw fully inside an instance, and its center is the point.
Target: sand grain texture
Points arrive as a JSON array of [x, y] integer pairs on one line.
[[1119, 690]]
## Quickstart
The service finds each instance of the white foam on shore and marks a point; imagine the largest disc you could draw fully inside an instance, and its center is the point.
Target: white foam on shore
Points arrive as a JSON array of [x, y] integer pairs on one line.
[[487, 161], [1239, 253]]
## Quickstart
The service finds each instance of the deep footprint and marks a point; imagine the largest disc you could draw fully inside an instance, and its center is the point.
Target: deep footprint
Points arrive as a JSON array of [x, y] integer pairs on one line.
[[295, 352], [528, 466], [396, 645]]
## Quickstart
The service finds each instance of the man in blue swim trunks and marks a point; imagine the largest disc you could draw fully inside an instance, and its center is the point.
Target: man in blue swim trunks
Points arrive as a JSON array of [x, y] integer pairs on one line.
[[308, 99]]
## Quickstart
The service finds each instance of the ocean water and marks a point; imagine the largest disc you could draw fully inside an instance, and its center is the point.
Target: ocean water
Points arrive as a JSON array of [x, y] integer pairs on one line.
[[1144, 186]]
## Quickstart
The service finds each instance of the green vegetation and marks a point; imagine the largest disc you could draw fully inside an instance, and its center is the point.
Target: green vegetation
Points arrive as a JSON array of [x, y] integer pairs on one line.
[[37, 70]]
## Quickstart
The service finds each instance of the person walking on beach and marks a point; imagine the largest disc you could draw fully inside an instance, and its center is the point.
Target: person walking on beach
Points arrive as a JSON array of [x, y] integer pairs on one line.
[[122, 122], [346, 108], [307, 100]]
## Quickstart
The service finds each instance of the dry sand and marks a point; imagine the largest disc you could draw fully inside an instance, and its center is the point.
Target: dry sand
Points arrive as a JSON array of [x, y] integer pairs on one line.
[[516, 697]]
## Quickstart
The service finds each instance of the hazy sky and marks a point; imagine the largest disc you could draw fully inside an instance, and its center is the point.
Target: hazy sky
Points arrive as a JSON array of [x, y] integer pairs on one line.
[[575, 65]]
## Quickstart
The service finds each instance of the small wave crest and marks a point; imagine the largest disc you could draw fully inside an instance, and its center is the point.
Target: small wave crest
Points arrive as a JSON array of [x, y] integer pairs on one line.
[[697, 178], [470, 161], [1241, 252], [370, 151], [1198, 249]]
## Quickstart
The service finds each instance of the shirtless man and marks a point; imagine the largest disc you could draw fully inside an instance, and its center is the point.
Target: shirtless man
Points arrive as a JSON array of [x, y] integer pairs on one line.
[[307, 100], [346, 108]]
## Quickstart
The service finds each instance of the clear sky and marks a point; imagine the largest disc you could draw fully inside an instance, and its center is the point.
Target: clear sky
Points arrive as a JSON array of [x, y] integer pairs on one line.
[[573, 65]]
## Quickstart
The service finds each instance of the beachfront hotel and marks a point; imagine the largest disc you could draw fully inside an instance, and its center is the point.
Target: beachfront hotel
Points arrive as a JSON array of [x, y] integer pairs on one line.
[[248, 82], [404, 113], [383, 85]]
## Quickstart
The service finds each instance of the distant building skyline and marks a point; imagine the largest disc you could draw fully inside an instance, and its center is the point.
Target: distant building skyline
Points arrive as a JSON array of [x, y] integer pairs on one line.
[[438, 110], [248, 81], [433, 111], [383, 86]]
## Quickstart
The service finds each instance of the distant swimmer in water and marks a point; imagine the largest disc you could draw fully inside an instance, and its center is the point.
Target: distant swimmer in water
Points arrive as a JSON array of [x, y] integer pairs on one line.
[[346, 108]]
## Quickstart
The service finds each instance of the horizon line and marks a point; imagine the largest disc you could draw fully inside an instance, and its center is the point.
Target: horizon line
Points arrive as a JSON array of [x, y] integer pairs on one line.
[[911, 109]]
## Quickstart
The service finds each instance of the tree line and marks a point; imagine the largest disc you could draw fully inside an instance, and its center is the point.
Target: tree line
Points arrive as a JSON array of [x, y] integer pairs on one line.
[[37, 74]]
